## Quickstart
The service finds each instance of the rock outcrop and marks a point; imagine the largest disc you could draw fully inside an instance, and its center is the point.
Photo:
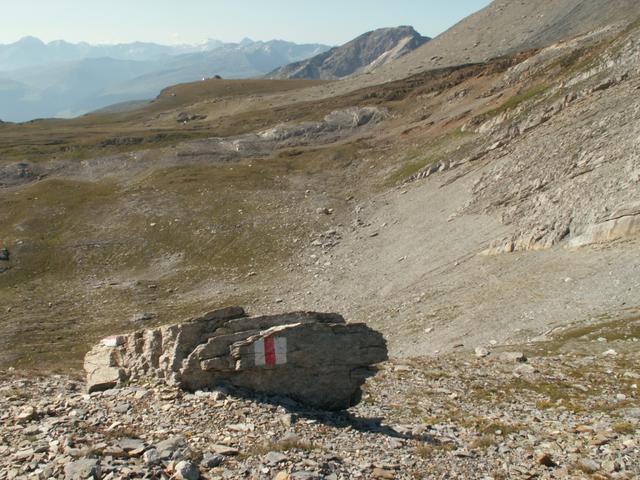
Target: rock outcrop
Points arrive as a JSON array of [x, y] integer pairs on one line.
[[623, 223], [316, 359], [335, 126]]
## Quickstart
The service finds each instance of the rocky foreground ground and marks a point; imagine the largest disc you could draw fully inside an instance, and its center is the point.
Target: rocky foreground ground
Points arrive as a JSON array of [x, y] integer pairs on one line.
[[469, 415]]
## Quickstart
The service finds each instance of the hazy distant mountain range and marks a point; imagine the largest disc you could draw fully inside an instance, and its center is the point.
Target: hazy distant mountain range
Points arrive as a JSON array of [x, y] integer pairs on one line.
[[61, 79]]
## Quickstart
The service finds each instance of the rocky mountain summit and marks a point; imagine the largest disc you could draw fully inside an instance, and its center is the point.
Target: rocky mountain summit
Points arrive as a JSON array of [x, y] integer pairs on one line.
[[316, 359], [363, 54]]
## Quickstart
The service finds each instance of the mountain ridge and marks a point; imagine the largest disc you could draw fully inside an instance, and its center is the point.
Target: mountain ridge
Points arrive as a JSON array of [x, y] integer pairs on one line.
[[511, 26], [503, 27], [31, 51], [364, 53]]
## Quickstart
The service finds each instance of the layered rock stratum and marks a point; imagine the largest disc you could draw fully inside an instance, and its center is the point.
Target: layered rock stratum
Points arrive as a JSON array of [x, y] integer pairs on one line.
[[314, 358]]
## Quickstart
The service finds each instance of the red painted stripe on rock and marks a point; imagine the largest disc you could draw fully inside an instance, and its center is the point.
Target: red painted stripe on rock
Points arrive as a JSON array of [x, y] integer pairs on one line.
[[269, 352]]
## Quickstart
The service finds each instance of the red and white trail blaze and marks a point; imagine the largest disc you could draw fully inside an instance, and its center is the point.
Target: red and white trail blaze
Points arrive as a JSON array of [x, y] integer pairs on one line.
[[270, 351]]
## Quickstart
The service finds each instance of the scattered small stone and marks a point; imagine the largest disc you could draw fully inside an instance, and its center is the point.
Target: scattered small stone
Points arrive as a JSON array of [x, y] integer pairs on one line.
[[402, 368], [28, 412], [25, 454], [151, 457], [184, 117], [143, 317], [210, 460], [302, 475], [546, 460], [82, 469], [600, 439], [524, 370], [290, 437], [287, 419], [583, 429], [242, 427], [611, 466], [383, 474], [166, 448], [512, 357], [225, 450], [589, 466], [122, 408], [273, 458], [185, 470], [632, 413], [481, 352], [130, 444]]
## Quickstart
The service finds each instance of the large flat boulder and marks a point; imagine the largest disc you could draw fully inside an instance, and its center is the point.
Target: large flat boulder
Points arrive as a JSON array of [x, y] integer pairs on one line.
[[315, 358]]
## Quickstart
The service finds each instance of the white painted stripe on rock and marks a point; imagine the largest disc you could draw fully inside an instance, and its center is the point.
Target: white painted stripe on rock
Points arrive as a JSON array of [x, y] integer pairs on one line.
[[258, 347], [281, 350]]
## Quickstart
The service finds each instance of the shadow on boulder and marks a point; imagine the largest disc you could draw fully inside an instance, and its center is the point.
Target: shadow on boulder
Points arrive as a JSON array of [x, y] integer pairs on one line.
[[316, 359]]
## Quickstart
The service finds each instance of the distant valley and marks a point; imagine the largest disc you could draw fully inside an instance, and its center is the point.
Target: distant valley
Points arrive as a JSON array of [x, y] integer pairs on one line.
[[61, 79], [65, 80]]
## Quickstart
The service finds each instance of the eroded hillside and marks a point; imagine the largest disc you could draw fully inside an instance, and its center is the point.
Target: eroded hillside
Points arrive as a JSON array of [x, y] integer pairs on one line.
[[439, 208]]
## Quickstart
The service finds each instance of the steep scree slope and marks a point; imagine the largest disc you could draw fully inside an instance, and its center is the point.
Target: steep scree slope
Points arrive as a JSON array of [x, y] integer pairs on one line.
[[503, 27]]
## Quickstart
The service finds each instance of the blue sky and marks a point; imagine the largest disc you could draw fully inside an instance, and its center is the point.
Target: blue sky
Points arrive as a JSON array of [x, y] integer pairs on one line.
[[192, 21]]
